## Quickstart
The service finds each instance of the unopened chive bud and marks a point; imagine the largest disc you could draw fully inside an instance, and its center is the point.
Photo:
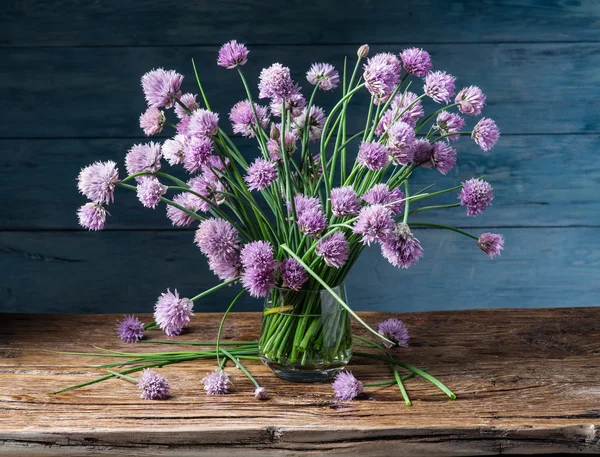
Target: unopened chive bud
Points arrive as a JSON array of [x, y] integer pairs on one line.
[[363, 51], [275, 134]]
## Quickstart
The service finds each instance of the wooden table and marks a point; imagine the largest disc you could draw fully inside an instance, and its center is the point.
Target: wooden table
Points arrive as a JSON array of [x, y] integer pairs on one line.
[[528, 381]]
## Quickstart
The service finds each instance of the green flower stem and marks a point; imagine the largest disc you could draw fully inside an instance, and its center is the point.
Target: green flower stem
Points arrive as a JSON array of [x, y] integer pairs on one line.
[[215, 288], [122, 376], [407, 203], [429, 208], [152, 325], [305, 133], [225, 314], [200, 86], [441, 137], [205, 343], [240, 366], [401, 386], [185, 108], [446, 227], [155, 173]]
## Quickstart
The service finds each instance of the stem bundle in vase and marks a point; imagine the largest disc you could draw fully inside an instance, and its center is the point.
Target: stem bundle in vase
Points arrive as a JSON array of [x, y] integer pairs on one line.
[[290, 223]]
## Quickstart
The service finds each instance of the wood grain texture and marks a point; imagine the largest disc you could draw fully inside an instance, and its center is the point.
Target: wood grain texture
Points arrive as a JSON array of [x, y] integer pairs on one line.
[[122, 271], [526, 381], [253, 21], [95, 92]]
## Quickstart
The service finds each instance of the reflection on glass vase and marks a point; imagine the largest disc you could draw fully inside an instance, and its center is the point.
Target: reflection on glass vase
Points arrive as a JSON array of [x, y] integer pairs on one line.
[[305, 335]]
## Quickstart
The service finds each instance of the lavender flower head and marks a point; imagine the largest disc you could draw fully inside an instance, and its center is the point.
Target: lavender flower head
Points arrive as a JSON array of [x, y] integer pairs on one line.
[[441, 156], [346, 387], [260, 174], [232, 54], [181, 218], [316, 121], [161, 87], [471, 100], [172, 313], [422, 152], [218, 239], [439, 86], [323, 74], [374, 223], [380, 194], [276, 82], [373, 155], [261, 393], [491, 243], [408, 107], [401, 137], [173, 149], [476, 195], [225, 269], [485, 133], [395, 331], [382, 74], [334, 249], [98, 181], [204, 123], [344, 201], [312, 221], [153, 385], [402, 249], [260, 267], [294, 105], [196, 152], [210, 187], [130, 329], [143, 157], [243, 120], [188, 100], [216, 383], [293, 275], [150, 190], [416, 61], [152, 121], [448, 124], [92, 216], [304, 203], [274, 146]]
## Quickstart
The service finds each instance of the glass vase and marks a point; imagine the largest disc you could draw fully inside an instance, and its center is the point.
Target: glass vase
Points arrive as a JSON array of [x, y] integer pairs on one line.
[[305, 335]]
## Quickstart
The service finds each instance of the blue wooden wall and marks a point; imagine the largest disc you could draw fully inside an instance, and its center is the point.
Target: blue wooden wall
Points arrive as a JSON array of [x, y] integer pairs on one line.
[[69, 86]]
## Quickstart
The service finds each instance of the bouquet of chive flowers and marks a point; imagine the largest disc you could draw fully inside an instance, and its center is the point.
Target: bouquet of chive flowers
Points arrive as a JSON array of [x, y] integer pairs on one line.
[[289, 224]]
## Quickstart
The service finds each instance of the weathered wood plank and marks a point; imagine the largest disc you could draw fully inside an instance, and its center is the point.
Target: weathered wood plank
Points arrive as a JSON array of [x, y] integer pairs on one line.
[[94, 92], [538, 180], [82, 272], [526, 382], [93, 23]]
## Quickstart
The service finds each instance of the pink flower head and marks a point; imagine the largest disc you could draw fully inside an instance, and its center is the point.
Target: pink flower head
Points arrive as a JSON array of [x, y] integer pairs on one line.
[[259, 266], [92, 216], [304, 203], [173, 149], [188, 100], [380, 194], [293, 275], [476, 195], [485, 133], [130, 329], [197, 150], [243, 120], [225, 269], [161, 87], [276, 82], [316, 121], [172, 313], [323, 74], [210, 187], [181, 218], [422, 152], [312, 222], [261, 393], [373, 155], [395, 331], [471, 100], [203, 123], [334, 249], [216, 383], [375, 223], [346, 387], [402, 249], [401, 137], [260, 174], [218, 239], [232, 54], [491, 244], [416, 61], [274, 146], [294, 105], [344, 201], [143, 157], [98, 181], [408, 107], [439, 86], [443, 157], [150, 190], [153, 385], [152, 121], [448, 123], [382, 74]]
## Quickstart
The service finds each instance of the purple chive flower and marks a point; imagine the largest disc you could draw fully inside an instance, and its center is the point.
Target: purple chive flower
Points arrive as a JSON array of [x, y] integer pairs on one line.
[[293, 275], [218, 239], [294, 105], [173, 149], [260, 174], [395, 331], [130, 329], [161, 87], [261, 393], [442, 157], [374, 223], [276, 82], [216, 383], [274, 146], [203, 123], [97, 181], [476, 195], [471, 100], [422, 152], [149, 191], [401, 137], [180, 218], [172, 313], [143, 157], [232, 54], [323, 74], [243, 120], [225, 269], [259, 268], [196, 152], [152, 121], [491, 243], [402, 249], [416, 61], [408, 107], [344, 201], [380, 194], [92, 216], [153, 385], [316, 121], [334, 249], [304, 203], [188, 100], [210, 187], [382, 74], [346, 387], [373, 155], [439, 86], [448, 123], [183, 126], [312, 221], [486, 133]]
